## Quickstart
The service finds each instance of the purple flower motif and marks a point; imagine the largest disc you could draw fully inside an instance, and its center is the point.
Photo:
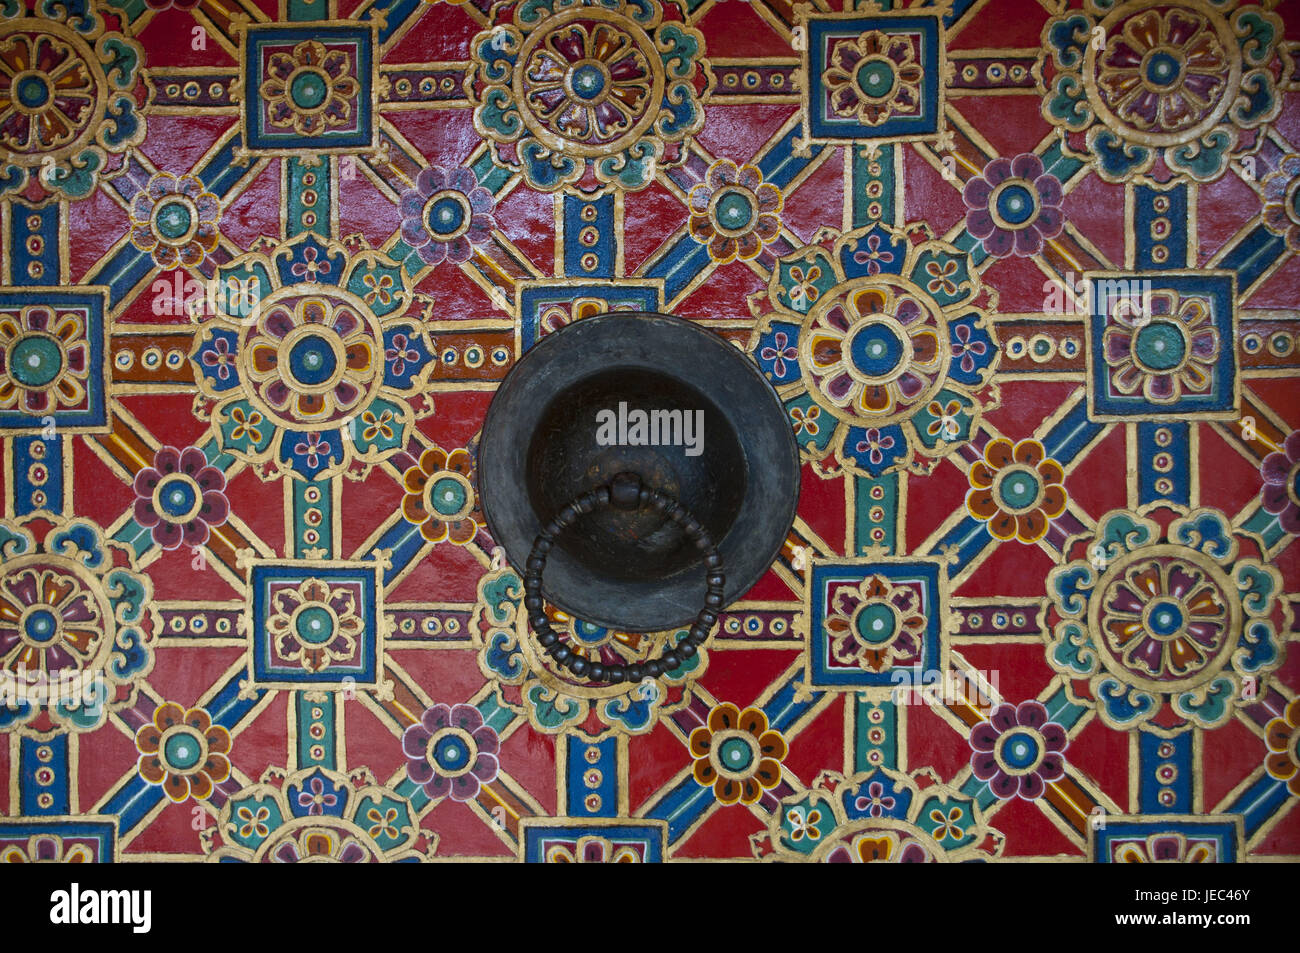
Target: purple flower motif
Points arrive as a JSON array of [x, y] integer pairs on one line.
[[313, 448], [1017, 751], [1013, 206], [913, 853], [778, 355], [451, 751], [310, 268], [875, 802], [317, 799], [400, 353], [873, 256], [874, 444], [1281, 473], [964, 348], [44, 848], [219, 356], [446, 215], [180, 497]]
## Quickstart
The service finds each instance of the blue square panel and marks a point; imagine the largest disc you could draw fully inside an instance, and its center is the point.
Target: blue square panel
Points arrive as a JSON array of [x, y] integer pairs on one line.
[[547, 306], [546, 840], [875, 622], [315, 624], [85, 839], [308, 88], [1173, 838], [54, 374], [1162, 345], [872, 78]]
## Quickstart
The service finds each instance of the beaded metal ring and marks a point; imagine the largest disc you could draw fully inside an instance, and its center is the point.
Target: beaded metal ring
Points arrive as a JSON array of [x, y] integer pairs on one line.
[[626, 492]]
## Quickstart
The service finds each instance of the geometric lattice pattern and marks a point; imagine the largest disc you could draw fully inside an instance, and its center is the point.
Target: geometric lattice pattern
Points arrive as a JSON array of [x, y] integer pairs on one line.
[[1024, 276]]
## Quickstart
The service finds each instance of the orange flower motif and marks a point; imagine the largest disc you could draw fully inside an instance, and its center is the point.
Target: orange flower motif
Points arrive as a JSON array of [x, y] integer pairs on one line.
[[183, 751], [440, 497], [806, 420], [1283, 737], [875, 353], [874, 849], [175, 220], [1017, 490], [737, 754], [734, 212]]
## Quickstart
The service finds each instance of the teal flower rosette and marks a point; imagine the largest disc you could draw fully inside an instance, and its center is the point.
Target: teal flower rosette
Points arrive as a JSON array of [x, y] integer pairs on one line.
[[1192, 85], [588, 94], [312, 358], [77, 626], [1163, 617], [880, 344], [67, 139]]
